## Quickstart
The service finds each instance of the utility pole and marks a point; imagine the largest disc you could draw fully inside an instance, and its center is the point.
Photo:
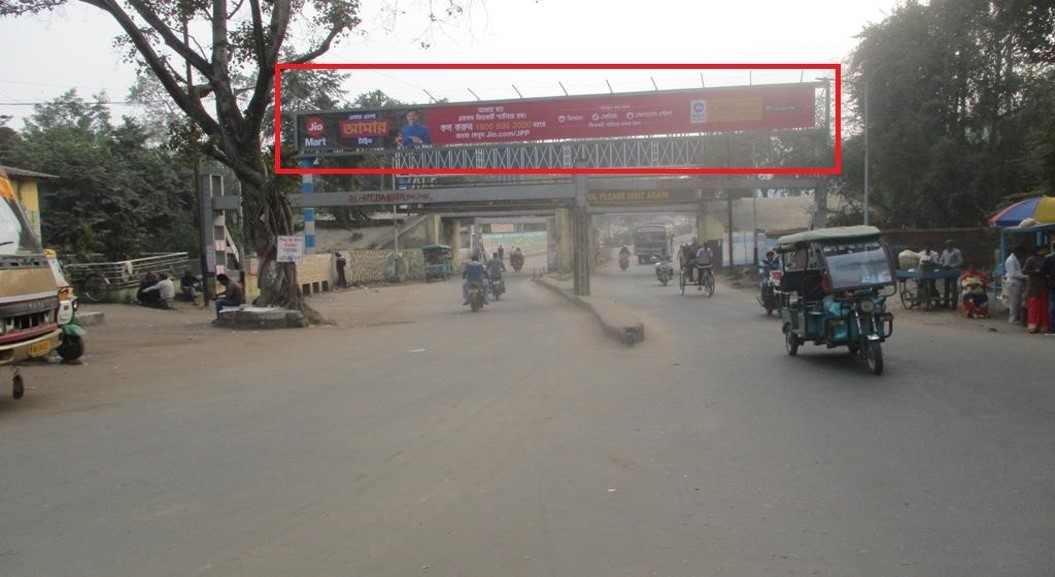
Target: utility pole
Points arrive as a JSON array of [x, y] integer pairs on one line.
[[866, 151]]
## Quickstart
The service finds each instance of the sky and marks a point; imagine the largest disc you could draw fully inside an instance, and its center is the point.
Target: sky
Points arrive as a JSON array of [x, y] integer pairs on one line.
[[73, 47]]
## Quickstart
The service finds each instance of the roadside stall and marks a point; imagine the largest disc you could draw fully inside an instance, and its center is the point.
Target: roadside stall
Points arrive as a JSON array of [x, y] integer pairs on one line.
[[1028, 223]]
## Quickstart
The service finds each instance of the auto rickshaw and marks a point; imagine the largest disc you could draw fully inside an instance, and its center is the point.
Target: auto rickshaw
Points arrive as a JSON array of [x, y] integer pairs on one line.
[[438, 259], [833, 291]]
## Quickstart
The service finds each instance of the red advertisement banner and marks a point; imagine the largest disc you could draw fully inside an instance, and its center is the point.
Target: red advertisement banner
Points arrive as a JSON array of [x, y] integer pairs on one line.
[[712, 110]]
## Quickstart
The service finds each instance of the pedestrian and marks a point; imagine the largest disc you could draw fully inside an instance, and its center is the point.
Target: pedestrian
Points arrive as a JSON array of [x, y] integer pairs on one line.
[[1049, 273], [342, 282], [160, 294], [501, 253], [1013, 278], [1037, 315], [951, 259], [233, 295], [189, 286], [142, 296], [929, 262]]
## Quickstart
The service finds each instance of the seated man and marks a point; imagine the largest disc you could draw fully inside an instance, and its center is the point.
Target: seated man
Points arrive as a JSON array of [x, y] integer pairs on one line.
[[147, 298], [233, 295], [973, 287], [160, 294], [474, 272], [189, 286]]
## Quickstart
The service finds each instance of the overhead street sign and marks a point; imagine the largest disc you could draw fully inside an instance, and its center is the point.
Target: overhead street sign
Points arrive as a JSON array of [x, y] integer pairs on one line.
[[435, 195]]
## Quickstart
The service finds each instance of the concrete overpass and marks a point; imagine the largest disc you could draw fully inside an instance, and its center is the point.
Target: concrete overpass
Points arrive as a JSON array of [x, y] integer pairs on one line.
[[567, 204]]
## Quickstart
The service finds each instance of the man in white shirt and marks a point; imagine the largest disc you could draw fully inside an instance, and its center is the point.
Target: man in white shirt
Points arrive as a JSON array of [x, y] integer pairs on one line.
[[1013, 279], [166, 290], [951, 259]]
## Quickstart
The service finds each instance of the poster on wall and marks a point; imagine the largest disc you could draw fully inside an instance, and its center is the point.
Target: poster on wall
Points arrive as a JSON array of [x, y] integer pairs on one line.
[[290, 249]]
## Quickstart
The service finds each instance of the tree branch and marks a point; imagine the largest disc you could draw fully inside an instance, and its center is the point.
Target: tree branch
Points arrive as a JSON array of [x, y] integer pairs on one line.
[[231, 120], [258, 31], [170, 38], [322, 48], [280, 14], [236, 9], [157, 64]]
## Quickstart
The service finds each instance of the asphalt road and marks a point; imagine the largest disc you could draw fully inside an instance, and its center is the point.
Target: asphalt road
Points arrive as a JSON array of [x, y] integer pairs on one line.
[[520, 441]]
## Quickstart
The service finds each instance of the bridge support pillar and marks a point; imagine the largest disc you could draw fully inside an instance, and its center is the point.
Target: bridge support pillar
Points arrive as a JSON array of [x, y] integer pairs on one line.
[[701, 222], [582, 231], [451, 235], [562, 231]]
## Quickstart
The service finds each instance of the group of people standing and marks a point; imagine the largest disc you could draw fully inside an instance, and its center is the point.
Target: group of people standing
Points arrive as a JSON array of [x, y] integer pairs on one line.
[[1030, 285]]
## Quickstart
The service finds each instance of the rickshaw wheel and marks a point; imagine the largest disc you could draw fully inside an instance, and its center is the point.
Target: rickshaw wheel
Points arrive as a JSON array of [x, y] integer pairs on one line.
[[791, 341], [874, 357]]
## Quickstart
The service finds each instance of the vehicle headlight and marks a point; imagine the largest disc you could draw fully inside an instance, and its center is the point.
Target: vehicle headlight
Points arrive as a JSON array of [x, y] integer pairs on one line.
[[867, 306]]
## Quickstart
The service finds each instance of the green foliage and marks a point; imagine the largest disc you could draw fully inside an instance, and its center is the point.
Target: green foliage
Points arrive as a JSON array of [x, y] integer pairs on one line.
[[959, 105], [114, 194]]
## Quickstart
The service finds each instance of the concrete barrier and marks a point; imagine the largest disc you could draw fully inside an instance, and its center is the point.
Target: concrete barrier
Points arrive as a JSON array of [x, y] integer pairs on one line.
[[616, 321]]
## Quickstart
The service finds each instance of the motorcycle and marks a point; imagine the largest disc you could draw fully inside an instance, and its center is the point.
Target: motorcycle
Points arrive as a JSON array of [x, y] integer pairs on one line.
[[664, 270], [517, 261], [498, 287], [769, 280], [624, 261], [476, 296]]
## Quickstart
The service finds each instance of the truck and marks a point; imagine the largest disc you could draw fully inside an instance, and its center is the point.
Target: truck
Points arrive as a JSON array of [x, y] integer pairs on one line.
[[29, 300], [653, 240]]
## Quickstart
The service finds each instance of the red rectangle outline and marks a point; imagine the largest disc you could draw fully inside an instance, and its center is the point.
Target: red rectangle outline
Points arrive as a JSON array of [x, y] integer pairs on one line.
[[836, 92]]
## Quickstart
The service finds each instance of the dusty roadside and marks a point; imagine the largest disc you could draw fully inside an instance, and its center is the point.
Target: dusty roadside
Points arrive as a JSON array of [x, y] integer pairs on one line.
[[124, 354]]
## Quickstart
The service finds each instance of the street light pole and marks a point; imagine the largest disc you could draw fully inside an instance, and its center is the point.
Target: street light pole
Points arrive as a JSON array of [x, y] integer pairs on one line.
[[866, 151]]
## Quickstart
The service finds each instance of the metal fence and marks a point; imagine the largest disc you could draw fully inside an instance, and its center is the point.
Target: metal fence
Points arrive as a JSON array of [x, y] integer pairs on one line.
[[96, 279]]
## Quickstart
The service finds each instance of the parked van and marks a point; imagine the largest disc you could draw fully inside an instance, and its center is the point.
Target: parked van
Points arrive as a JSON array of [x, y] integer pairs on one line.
[[29, 301]]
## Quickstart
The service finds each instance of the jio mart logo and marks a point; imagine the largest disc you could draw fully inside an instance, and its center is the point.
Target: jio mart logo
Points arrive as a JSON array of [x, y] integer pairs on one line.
[[698, 111]]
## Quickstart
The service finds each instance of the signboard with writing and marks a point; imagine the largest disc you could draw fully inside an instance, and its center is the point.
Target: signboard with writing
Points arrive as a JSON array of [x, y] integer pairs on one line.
[[697, 111], [290, 249], [626, 196]]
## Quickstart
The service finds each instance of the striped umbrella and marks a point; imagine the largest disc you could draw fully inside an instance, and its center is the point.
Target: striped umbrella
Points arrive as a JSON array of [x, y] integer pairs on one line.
[[1041, 209]]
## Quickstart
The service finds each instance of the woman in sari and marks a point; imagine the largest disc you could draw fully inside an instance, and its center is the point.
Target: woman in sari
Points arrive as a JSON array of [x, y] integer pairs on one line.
[[1036, 293]]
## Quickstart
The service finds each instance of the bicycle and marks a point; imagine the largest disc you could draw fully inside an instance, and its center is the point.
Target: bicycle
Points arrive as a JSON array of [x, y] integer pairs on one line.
[[92, 287]]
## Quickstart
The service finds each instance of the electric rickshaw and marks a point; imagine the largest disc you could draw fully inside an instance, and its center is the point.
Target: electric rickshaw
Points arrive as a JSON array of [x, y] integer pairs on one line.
[[834, 289], [438, 261]]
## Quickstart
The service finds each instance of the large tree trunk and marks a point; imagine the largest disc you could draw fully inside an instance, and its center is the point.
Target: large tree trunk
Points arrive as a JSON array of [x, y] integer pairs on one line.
[[269, 215]]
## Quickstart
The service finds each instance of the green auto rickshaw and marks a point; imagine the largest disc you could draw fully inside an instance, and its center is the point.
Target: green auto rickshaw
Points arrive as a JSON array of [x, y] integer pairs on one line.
[[834, 288], [438, 261]]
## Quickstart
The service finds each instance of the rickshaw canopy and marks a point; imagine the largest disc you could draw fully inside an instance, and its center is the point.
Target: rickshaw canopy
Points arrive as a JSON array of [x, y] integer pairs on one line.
[[833, 234]]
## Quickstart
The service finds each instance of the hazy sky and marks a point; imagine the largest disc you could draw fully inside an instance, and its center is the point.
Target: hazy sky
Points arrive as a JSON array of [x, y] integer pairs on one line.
[[73, 47]]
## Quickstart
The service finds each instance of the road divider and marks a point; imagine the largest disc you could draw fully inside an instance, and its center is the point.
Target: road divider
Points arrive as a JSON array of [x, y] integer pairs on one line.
[[617, 322]]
